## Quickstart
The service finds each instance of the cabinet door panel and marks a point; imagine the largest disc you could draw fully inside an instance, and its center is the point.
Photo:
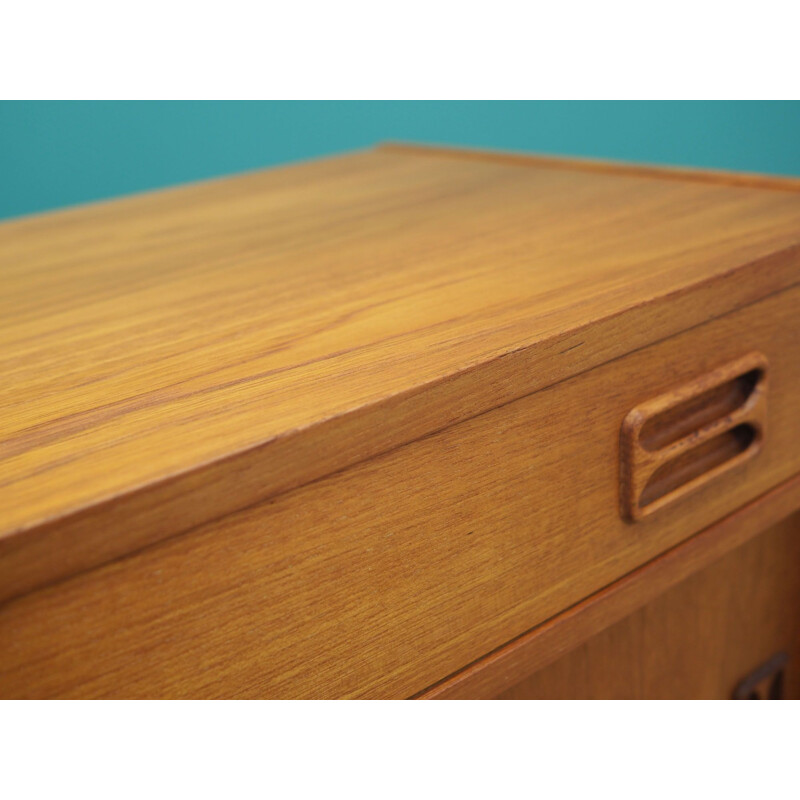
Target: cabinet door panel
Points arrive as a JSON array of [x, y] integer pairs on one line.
[[699, 639]]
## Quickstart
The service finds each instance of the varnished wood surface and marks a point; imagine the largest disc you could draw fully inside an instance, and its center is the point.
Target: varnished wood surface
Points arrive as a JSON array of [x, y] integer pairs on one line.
[[385, 578], [509, 666], [698, 640], [169, 358]]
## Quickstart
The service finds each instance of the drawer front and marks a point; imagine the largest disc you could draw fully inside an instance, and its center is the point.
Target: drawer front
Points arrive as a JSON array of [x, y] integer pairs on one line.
[[387, 577]]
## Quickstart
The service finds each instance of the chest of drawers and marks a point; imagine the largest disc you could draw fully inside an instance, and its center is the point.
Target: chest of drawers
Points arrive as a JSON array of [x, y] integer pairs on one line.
[[412, 422]]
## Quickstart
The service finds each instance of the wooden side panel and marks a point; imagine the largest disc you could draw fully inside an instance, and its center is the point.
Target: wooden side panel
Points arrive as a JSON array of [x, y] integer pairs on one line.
[[384, 579], [698, 640]]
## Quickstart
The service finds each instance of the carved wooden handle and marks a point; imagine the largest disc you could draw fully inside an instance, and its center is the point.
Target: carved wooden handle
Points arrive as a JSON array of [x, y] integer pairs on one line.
[[675, 443]]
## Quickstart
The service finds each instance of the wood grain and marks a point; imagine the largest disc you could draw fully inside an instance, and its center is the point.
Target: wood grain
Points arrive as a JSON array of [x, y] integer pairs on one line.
[[698, 640], [170, 358], [385, 578], [510, 665]]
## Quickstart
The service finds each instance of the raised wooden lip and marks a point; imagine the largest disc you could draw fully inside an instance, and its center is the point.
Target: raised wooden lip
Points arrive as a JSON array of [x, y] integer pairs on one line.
[[49, 550], [751, 180]]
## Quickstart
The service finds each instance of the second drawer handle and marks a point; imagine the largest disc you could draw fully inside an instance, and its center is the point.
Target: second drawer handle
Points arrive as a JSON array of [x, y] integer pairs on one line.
[[677, 442]]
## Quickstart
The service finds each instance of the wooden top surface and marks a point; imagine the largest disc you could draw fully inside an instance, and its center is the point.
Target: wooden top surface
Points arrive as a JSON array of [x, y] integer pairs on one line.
[[154, 336]]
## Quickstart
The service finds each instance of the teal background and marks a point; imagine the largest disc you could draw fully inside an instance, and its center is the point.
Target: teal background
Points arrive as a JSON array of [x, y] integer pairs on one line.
[[55, 154]]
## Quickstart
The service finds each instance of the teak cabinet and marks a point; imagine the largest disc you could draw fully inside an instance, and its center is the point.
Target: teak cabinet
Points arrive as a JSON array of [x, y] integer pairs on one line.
[[411, 422]]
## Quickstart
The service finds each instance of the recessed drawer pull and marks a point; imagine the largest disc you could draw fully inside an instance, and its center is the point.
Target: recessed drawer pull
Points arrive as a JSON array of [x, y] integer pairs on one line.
[[675, 443]]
